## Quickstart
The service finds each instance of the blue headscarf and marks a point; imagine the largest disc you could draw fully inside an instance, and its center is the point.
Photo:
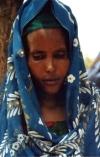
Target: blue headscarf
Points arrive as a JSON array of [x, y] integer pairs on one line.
[[22, 131]]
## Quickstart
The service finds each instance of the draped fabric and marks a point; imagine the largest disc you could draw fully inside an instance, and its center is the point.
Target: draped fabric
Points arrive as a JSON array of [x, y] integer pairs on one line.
[[22, 131]]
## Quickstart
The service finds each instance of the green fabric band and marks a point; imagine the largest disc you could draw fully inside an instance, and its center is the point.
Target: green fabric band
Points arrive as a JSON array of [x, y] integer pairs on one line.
[[43, 20]]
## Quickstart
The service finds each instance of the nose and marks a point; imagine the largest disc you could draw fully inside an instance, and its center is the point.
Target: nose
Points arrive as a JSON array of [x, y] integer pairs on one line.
[[50, 67]]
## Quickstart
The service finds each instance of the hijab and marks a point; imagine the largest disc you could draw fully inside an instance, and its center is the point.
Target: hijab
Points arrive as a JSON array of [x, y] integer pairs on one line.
[[22, 131]]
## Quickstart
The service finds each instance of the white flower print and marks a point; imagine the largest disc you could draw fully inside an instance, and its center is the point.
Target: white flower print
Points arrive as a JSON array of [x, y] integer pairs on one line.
[[21, 53], [16, 146], [20, 138], [75, 42], [71, 78], [12, 153]]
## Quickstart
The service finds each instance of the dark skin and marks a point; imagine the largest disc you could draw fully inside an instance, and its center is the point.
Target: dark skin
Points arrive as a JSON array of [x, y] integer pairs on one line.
[[48, 62]]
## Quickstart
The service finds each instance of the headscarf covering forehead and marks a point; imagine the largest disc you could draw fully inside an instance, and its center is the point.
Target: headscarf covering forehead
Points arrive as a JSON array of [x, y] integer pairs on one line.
[[45, 19], [23, 132]]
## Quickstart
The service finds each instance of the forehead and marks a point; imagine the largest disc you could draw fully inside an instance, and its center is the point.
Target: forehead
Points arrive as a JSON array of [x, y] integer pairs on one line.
[[43, 37], [46, 33]]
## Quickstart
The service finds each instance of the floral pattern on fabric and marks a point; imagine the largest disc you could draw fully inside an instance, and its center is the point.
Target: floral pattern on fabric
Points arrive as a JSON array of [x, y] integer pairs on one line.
[[22, 131]]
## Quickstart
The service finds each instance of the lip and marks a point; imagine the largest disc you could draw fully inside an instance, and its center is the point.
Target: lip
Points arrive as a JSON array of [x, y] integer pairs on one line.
[[51, 82]]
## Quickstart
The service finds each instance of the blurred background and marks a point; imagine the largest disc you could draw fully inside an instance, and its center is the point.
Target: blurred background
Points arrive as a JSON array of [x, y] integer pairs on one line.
[[87, 13], [8, 10]]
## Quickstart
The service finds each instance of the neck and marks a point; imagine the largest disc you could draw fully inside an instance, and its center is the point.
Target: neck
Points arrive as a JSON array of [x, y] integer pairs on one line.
[[52, 108], [51, 101]]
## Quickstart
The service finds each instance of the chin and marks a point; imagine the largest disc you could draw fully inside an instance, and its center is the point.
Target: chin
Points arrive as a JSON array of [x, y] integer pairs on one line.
[[52, 91], [49, 90]]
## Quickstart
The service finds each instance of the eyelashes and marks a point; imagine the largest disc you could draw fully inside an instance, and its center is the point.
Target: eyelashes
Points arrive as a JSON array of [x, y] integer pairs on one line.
[[60, 55], [37, 56]]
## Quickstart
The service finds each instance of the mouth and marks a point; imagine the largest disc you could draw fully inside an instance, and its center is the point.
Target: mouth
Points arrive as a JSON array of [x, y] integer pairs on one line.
[[51, 82]]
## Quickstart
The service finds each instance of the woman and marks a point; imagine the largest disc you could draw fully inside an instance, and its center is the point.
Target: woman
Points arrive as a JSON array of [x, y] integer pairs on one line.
[[49, 107]]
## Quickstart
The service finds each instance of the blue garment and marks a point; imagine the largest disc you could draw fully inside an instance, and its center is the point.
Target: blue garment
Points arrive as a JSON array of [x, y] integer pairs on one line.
[[22, 131]]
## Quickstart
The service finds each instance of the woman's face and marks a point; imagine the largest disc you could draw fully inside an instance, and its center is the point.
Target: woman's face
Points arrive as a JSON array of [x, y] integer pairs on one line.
[[48, 59]]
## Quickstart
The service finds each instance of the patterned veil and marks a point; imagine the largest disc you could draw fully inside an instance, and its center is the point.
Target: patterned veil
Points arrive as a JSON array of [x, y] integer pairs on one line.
[[22, 131]]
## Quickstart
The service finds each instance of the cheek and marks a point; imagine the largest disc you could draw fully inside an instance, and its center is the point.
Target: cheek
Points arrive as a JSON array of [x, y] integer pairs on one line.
[[34, 68], [65, 67]]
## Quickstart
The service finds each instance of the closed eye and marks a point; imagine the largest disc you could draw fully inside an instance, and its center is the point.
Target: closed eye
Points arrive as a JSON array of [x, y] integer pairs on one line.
[[61, 54], [39, 55]]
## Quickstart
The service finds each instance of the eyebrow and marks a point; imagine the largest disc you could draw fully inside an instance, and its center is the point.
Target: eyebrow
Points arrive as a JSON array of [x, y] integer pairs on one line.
[[41, 51]]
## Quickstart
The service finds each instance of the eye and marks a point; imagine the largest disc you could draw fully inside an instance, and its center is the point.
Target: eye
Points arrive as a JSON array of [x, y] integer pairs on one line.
[[60, 54], [38, 56]]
